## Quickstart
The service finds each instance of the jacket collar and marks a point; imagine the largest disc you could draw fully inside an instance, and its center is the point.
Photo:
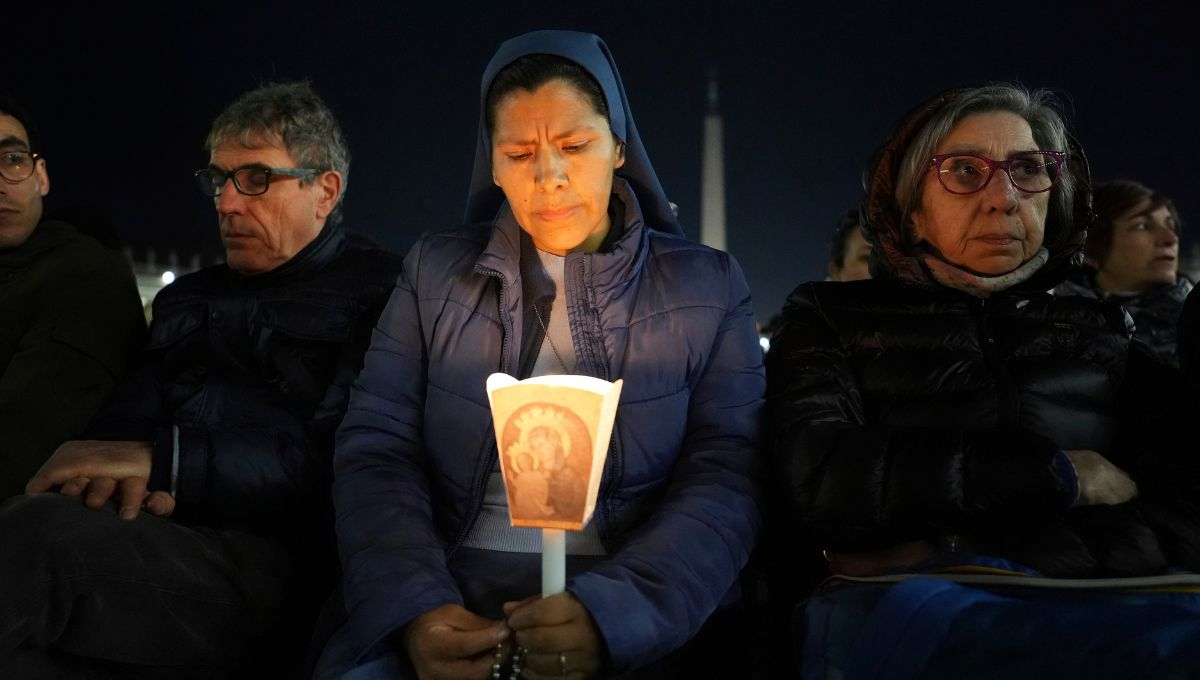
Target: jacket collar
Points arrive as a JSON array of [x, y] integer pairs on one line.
[[47, 235], [1082, 282], [312, 258]]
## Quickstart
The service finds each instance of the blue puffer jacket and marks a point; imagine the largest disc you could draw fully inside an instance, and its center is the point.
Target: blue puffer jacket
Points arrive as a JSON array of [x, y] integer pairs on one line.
[[679, 502]]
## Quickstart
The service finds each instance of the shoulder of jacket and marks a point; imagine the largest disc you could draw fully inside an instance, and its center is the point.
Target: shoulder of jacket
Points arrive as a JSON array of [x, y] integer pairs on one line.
[[858, 295], [444, 248], [1086, 311], [677, 252], [475, 234], [68, 247], [661, 243], [191, 286]]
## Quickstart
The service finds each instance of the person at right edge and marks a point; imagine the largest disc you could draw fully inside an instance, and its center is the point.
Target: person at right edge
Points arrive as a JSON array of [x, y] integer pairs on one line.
[[1132, 258], [189, 536], [951, 403]]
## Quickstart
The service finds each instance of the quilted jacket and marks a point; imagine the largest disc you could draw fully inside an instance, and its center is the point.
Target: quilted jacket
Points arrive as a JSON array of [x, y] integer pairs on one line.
[[901, 410], [678, 509]]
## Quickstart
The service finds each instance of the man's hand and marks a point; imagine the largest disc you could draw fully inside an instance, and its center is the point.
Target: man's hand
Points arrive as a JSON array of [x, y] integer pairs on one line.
[[451, 643], [103, 470], [561, 638], [1101, 482]]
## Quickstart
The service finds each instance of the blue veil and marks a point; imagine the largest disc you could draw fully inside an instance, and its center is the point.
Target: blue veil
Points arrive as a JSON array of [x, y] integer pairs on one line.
[[590, 52]]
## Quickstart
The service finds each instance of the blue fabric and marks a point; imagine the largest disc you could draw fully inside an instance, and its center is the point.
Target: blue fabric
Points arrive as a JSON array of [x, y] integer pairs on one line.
[[932, 628], [678, 509], [485, 198], [1064, 469]]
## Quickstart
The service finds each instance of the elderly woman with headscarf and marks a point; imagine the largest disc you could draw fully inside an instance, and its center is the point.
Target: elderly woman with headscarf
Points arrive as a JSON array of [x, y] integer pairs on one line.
[[951, 403], [1132, 258], [572, 262]]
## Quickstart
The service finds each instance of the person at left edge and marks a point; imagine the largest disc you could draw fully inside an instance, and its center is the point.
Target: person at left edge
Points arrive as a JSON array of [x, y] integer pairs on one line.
[[70, 317], [191, 532]]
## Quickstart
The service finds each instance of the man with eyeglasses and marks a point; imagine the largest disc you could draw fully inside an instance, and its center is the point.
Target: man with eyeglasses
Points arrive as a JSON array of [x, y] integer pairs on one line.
[[70, 316], [203, 544]]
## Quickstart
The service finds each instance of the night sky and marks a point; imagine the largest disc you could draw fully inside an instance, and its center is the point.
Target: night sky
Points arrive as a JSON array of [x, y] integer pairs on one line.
[[124, 98]]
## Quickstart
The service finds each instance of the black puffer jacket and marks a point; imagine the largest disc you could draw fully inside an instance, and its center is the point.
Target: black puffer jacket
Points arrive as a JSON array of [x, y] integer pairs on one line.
[[902, 410], [248, 378], [1155, 311]]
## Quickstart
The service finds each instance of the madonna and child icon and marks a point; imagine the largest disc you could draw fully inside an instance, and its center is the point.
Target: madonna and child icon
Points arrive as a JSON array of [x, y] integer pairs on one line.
[[552, 435]]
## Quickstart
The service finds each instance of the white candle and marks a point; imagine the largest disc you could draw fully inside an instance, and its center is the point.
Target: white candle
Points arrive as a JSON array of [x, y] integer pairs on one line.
[[554, 561]]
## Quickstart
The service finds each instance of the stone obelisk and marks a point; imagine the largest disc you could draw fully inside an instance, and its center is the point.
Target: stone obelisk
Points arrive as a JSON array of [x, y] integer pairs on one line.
[[712, 190]]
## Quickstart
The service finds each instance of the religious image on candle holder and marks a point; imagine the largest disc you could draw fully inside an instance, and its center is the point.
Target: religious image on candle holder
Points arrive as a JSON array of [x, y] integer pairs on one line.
[[552, 434]]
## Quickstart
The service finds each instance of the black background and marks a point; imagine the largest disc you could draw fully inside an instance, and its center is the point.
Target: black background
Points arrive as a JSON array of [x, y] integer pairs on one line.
[[124, 97]]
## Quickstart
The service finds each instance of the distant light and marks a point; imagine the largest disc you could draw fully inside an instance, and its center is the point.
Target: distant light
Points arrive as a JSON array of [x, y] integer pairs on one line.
[[764, 342], [168, 276]]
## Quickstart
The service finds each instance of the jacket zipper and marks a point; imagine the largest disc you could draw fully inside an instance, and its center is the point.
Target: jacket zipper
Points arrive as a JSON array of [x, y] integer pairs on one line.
[[1009, 402], [481, 470], [600, 366]]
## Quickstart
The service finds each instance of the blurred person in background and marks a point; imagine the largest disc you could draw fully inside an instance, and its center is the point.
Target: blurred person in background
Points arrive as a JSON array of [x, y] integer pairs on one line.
[[849, 252], [1132, 258]]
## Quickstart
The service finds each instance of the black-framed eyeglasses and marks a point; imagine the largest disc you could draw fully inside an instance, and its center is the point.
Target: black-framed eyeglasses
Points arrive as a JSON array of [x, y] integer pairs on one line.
[[17, 166], [1030, 171], [253, 180]]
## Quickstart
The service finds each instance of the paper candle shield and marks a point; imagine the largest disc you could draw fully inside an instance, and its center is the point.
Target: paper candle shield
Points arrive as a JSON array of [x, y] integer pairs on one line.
[[552, 434]]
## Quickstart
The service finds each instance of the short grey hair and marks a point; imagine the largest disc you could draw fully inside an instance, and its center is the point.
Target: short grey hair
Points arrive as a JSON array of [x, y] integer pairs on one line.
[[1040, 108], [294, 115]]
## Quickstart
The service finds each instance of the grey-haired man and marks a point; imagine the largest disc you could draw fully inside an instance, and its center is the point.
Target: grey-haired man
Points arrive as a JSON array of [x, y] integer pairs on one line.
[[203, 538]]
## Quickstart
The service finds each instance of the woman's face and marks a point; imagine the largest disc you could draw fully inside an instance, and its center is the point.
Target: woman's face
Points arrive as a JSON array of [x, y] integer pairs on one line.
[[1144, 251], [553, 155], [995, 229]]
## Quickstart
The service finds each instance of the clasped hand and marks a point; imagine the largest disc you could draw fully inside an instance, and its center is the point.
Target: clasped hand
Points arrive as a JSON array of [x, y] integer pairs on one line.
[[1101, 482], [451, 643], [559, 635], [100, 471]]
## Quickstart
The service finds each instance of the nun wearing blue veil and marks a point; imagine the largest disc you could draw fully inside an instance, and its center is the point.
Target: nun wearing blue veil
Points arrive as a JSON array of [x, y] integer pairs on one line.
[[571, 261]]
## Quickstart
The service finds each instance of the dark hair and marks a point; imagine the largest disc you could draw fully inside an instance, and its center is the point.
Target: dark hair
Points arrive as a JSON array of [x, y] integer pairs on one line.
[[10, 107], [847, 223], [297, 117], [1112, 199], [531, 72]]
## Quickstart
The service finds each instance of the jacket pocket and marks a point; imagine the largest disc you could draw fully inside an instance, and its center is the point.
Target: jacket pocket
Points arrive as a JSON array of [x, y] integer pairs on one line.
[[180, 347], [301, 348], [168, 329], [307, 321]]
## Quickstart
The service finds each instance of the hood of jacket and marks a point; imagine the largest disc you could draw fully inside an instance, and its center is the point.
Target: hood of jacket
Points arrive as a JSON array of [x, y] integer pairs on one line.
[[887, 230]]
